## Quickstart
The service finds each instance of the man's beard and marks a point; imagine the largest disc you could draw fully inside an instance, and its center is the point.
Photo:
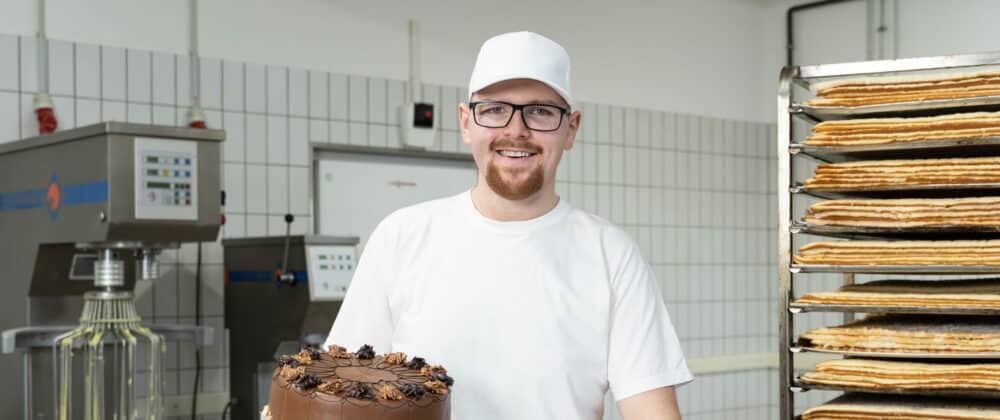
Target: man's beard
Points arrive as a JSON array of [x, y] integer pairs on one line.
[[515, 190]]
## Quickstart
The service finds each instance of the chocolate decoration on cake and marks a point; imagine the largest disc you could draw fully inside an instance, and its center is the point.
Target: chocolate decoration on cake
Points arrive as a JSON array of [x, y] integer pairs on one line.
[[361, 392], [417, 363], [308, 381], [366, 352], [338, 385], [413, 391]]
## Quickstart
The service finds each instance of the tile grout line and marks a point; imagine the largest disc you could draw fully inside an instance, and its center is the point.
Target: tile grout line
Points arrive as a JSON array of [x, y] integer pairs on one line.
[[368, 116], [243, 165], [76, 106], [20, 89]]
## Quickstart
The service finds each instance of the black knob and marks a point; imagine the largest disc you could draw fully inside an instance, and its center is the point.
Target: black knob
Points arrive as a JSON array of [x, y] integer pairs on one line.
[[289, 218]]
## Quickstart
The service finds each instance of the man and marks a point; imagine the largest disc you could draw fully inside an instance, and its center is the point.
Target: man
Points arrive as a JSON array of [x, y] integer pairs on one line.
[[535, 307]]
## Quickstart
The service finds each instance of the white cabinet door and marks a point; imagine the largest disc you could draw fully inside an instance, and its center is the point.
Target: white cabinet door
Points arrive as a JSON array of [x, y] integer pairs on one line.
[[356, 191]]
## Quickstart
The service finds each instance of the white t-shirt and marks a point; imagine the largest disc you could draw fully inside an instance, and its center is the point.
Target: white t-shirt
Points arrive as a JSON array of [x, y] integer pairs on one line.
[[533, 319]]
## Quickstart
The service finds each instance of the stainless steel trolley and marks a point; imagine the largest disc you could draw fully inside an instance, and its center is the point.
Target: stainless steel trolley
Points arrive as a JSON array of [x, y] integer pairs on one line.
[[788, 226]]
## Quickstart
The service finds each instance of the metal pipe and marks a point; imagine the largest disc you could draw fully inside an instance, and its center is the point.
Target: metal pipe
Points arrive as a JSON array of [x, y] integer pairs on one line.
[[287, 276], [416, 89], [786, 407], [26, 379], [789, 24], [43, 50], [195, 61]]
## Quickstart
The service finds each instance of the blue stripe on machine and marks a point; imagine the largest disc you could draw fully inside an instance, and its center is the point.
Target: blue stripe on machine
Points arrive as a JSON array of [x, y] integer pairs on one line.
[[263, 276], [91, 192], [70, 195]]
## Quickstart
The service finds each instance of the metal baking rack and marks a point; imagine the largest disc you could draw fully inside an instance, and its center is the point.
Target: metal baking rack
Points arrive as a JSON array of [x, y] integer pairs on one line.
[[923, 232], [801, 386], [789, 148], [899, 109], [905, 191], [899, 355], [796, 308], [952, 148], [894, 269]]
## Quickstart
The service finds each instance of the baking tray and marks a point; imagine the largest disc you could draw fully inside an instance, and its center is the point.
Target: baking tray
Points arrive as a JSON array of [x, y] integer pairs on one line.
[[887, 355], [954, 310], [915, 191], [926, 149], [898, 109], [937, 232], [896, 269], [950, 393]]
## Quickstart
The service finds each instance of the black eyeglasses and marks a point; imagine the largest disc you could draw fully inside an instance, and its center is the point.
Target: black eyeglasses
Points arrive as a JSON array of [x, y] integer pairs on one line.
[[538, 117]]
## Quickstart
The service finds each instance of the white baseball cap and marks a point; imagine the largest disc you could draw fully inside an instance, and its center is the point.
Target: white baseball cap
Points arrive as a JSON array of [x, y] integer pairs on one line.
[[522, 55]]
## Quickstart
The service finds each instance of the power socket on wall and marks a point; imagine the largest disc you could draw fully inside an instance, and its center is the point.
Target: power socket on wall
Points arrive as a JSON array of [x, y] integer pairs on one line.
[[416, 125]]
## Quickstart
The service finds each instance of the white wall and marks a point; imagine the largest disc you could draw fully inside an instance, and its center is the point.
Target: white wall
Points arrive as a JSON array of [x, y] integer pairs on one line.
[[935, 27], [693, 57]]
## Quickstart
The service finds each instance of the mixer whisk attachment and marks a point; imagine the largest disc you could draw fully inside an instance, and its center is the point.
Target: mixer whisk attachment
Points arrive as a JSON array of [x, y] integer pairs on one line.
[[109, 343]]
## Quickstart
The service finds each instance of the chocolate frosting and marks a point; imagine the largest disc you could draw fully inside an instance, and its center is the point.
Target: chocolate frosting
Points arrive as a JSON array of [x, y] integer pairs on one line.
[[378, 382]]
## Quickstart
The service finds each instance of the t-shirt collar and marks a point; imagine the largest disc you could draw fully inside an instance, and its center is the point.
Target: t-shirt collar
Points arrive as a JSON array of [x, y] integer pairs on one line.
[[519, 226]]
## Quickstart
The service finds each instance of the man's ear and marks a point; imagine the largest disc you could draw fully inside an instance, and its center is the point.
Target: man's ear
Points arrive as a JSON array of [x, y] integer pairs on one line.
[[463, 121], [573, 124]]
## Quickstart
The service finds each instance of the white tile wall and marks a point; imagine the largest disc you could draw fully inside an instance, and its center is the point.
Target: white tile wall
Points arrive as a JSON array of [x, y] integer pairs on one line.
[[318, 95], [139, 83], [10, 127], [112, 73], [357, 98], [9, 73], [338, 85], [256, 88], [233, 86], [256, 136], [164, 78], [298, 93], [211, 83], [256, 181], [696, 193], [233, 149], [88, 111], [27, 62], [277, 189], [277, 140], [61, 68], [277, 90]]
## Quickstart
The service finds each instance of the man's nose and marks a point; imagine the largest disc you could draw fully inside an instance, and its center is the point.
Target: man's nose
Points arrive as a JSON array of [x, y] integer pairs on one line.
[[516, 128]]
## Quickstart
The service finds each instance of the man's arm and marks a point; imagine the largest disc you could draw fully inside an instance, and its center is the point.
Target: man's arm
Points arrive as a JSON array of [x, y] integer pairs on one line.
[[655, 404]]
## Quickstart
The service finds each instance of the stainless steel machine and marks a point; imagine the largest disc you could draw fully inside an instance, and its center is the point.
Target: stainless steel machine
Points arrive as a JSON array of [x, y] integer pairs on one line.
[[282, 292], [83, 215]]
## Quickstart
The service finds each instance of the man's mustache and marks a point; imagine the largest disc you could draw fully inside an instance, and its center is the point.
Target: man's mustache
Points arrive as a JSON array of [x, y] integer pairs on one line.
[[511, 144]]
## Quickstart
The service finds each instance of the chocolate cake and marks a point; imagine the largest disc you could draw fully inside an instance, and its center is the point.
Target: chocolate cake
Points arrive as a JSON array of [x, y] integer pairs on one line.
[[339, 385]]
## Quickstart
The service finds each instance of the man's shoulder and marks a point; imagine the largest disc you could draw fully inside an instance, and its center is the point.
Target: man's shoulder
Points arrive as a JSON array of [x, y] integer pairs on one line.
[[595, 225]]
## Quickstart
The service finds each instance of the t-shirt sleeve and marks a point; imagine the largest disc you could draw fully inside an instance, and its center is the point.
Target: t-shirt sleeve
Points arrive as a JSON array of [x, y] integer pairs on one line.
[[643, 352], [364, 316]]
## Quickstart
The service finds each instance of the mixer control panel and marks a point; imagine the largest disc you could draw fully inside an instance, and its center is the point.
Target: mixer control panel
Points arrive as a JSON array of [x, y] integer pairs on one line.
[[166, 179], [331, 268]]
